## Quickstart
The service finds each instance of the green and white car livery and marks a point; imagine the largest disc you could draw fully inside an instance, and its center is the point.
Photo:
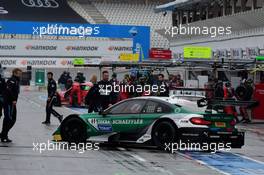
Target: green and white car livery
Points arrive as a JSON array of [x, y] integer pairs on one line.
[[151, 120]]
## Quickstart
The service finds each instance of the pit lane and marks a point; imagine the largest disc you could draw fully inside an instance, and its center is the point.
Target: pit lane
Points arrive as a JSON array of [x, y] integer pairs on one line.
[[19, 157]]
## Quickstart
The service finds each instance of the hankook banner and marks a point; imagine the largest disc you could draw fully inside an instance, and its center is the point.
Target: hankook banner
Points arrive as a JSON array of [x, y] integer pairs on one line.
[[63, 48], [43, 62]]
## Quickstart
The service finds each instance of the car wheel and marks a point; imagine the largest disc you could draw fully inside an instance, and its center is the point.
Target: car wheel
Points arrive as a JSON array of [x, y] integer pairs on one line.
[[163, 133], [74, 130]]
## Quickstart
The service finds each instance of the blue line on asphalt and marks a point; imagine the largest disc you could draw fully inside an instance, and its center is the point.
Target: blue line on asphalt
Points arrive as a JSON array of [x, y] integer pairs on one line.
[[43, 97], [229, 163]]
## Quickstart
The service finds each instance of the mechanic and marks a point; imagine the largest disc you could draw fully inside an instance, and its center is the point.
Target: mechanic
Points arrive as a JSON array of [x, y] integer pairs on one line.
[[229, 94], [10, 100], [124, 93], [93, 105], [105, 91], [219, 94], [52, 88], [62, 81], [2, 89], [75, 91], [65, 76], [244, 92], [162, 82], [209, 93], [114, 95], [80, 78]]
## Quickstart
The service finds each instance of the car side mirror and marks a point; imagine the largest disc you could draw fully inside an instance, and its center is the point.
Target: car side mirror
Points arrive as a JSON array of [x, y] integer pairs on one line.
[[102, 112]]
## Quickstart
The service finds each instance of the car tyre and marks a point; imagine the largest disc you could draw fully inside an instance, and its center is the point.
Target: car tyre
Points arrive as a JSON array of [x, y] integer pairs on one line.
[[74, 130], [163, 133]]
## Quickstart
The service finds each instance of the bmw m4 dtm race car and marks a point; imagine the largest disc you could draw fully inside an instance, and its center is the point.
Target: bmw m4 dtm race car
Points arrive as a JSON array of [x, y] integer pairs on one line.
[[151, 120]]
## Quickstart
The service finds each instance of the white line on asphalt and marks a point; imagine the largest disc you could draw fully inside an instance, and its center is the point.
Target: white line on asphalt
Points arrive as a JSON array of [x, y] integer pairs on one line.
[[30, 101], [133, 155], [245, 157], [138, 157], [121, 149], [163, 170]]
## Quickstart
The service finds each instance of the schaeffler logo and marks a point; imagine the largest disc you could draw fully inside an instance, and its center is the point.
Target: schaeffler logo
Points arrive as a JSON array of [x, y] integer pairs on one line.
[[30, 47], [40, 3], [119, 48], [3, 11]]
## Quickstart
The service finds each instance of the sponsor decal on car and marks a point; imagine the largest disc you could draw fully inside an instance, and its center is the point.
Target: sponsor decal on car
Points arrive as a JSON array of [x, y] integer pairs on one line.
[[128, 122], [105, 127], [103, 121]]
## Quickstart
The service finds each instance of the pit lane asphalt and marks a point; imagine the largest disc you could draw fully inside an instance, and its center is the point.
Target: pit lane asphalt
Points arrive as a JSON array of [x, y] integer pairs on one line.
[[20, 158]]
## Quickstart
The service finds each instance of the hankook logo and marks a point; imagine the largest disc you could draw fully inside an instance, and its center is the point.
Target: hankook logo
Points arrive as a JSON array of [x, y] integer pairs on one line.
[[38, 47], [3, 11], [39, 62], [66, 62], [40, 3], [119, 48], [81, 48]]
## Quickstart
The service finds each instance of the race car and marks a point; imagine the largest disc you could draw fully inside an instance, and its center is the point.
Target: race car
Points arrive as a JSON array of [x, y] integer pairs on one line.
[[75, 96], [151, 120]]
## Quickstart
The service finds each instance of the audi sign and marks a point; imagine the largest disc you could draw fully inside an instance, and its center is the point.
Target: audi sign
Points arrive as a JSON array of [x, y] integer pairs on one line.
[[3, 11], [39, 3]]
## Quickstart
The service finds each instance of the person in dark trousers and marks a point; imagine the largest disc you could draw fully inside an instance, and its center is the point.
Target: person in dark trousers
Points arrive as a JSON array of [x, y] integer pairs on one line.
[[52, 88], [105, 91], [10, 100], [2, 89]]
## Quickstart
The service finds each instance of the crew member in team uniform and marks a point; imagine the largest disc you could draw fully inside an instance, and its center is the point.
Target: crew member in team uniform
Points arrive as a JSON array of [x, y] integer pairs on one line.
[[2, 89], [105, 89], [10, 101], [52, 89]]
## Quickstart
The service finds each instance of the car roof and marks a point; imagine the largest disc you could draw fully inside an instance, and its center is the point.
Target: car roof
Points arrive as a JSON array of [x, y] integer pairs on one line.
[[177, 101], [186, 104]]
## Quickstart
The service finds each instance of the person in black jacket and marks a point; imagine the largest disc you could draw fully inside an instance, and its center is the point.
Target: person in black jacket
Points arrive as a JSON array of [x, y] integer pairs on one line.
[[52, 89], [10, 100], [105, 89], [2, 89], [163, 87], [92, 96]]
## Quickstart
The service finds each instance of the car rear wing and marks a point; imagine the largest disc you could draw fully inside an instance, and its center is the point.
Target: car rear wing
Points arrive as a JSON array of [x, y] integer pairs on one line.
[[212, 103]]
